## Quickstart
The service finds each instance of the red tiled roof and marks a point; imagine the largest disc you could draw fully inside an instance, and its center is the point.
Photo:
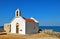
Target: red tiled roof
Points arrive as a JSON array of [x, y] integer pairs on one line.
[[29, 20]]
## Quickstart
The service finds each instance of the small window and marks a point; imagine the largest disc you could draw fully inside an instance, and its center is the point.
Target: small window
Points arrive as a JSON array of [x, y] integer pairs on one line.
[[20, 29]]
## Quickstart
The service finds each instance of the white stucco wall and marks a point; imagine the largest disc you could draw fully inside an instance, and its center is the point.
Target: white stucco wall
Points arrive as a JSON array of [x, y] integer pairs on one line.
[[26, 27], [30, 28], [21, 22]]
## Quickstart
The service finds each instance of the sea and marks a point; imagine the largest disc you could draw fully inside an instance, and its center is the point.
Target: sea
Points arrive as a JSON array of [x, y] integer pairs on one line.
[[54, 28]]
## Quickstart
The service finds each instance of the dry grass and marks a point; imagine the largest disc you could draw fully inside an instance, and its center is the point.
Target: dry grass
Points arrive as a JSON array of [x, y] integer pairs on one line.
[[31, 36], [41, 35]]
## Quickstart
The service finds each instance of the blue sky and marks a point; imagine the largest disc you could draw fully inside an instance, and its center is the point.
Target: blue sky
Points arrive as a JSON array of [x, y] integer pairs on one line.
[[47, 12]]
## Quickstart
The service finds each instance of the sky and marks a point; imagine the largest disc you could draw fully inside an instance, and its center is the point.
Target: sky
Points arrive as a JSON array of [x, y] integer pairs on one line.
[[47, 12]]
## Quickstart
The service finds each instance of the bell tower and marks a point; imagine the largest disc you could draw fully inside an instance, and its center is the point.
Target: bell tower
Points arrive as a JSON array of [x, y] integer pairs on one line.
[[17, 13]]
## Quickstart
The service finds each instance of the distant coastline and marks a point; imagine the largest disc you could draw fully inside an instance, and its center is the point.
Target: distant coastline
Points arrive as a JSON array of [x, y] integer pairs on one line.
[[54, 28], [1, 26]]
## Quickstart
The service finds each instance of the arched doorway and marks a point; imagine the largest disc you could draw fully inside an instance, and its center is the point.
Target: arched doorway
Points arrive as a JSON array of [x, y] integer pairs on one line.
[[17, 27]]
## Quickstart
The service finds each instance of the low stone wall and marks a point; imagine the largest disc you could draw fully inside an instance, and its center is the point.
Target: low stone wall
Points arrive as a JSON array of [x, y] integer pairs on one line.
[[7, 27]]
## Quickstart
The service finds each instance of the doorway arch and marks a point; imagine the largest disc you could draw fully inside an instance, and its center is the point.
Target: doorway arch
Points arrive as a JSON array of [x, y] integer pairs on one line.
[[17, 27]]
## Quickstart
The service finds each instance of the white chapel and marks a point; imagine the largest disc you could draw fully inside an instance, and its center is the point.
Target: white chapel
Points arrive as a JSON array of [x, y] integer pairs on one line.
[[22, 25]]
